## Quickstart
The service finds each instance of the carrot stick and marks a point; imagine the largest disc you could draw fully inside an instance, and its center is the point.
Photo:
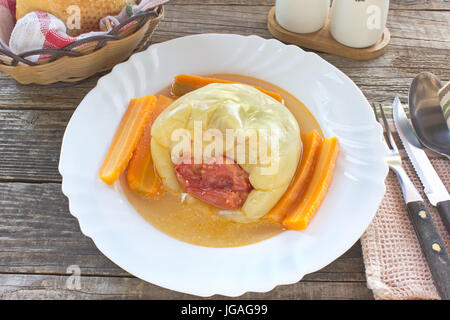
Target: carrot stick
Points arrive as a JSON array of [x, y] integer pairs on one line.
[[126, 138], [302, 214], [185, 83], [141, 174], [311, 146]]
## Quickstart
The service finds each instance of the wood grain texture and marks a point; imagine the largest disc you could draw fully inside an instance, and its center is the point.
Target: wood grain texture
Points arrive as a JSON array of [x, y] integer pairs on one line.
[[39, 239], [55, 287], [420, 41], [395, 4], [30, 143]]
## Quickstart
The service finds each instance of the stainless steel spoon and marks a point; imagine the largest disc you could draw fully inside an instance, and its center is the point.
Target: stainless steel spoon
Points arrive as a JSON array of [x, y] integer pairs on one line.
[[426, 114]]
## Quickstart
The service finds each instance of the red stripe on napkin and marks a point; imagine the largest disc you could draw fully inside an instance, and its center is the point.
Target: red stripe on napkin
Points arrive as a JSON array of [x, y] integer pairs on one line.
[[53, 39]]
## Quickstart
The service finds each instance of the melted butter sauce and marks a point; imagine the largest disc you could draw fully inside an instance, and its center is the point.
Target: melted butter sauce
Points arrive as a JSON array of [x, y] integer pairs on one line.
[[195, 222]]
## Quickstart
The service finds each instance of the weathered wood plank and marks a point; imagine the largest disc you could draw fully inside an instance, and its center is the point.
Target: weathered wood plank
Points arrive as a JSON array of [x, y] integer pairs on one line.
[[55, 287], [420, 5], [38, 235], [395, 4], [411, 25], [421, 42], [30, 143], [59, 96]]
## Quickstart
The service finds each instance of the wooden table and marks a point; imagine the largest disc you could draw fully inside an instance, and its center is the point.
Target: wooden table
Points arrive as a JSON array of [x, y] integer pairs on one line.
[[40, 240]]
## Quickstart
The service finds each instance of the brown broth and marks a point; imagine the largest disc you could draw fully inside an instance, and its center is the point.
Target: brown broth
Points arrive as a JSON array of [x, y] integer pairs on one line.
[[197, 223]]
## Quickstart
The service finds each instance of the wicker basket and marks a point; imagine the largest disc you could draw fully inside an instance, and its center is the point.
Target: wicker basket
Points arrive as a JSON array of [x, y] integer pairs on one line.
[[85, 57]]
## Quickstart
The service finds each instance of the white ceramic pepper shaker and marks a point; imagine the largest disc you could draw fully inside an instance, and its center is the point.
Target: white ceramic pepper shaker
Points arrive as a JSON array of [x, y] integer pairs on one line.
[[302, 16], [358, 23]]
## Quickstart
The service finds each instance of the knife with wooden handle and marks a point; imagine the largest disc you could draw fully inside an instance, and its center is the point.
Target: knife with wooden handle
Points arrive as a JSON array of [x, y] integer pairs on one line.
[[432, 246], [434, 189], [428, 235], [429, 238]]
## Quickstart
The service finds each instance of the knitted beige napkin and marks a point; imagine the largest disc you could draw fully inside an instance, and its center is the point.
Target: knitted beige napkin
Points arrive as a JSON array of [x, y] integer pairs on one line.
[[395, 265]]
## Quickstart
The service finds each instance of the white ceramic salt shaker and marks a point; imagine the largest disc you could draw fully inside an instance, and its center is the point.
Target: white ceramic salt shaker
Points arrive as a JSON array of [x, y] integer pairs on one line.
[[302, 16], [358, 23]]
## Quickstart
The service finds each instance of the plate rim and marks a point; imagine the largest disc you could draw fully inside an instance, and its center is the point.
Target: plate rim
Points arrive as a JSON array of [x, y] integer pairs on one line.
[[232, 293]]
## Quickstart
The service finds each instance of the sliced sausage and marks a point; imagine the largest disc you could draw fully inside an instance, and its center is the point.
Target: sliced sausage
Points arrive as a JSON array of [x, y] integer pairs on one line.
[[223, 185]]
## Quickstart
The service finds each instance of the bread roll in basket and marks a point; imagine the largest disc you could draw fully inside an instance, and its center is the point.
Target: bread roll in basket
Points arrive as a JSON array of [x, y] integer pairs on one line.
[[85, 57]]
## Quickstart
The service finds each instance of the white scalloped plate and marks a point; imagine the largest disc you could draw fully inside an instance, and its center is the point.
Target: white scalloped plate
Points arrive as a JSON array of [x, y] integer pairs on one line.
[[128, 240]]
